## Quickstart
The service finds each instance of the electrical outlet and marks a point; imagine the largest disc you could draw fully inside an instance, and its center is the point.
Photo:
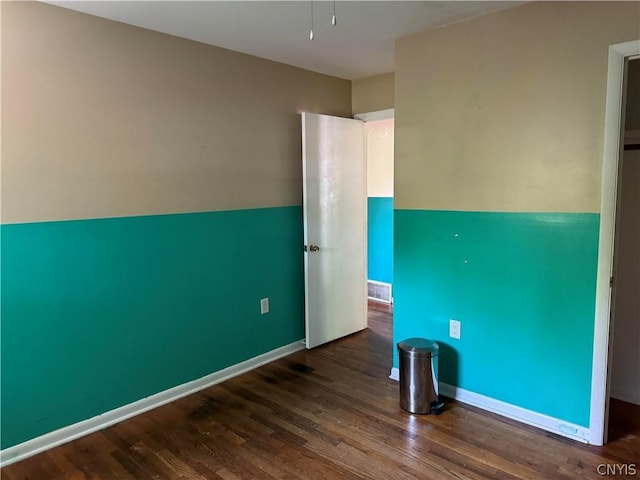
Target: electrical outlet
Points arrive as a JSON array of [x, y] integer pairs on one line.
[[264, 306], [454, 329]]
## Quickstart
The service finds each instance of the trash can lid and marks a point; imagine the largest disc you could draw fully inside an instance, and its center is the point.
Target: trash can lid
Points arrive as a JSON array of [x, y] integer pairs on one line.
[[419, 346]]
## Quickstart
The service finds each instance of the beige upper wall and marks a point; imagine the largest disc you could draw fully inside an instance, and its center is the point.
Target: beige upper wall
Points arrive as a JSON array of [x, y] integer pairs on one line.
[[103, 119], [505, 112], [379, 149], [373, 93]]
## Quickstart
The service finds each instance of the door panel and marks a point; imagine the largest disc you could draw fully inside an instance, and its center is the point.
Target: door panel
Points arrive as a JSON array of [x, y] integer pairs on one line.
[[335, 218]]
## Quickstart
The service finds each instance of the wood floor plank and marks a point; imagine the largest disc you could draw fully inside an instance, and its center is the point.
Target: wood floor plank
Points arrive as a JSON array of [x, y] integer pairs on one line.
[[323, 414]]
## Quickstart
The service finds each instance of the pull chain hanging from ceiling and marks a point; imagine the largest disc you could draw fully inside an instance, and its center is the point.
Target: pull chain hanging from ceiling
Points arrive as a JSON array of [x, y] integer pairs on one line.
[[311, 31], [333, 19]]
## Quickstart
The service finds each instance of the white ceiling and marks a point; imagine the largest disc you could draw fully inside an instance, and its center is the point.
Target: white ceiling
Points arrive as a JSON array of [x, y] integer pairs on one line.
[[361, 45]]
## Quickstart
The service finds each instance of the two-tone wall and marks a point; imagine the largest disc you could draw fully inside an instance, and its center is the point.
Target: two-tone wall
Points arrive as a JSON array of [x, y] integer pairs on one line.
[[151, 192], [379, 139], [498, 160], [373, 94]]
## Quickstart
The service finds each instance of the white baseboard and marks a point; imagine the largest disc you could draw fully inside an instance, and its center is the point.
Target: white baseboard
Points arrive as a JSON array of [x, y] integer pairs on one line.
[[625, 394], [67, 434], [528, 417]]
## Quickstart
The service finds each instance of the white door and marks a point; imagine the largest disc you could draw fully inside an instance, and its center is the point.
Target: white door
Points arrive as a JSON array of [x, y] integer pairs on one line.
[[335, 227]]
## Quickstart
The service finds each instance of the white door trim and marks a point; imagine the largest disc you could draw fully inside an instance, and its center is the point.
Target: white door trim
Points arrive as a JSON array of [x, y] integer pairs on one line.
[[618, 54], [377, 115]]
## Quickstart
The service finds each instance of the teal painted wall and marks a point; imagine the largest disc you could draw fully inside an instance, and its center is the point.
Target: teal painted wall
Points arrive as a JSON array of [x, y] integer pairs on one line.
[[97, 314], [522, 285], [380, 239]]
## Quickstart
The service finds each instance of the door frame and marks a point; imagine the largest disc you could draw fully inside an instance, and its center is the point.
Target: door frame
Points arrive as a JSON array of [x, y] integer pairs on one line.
[[619, 54], [373, 116], [376, 115]]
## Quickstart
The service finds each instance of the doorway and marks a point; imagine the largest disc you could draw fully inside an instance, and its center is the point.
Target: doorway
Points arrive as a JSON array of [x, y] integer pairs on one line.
[[379, 136], [336, 152], [619, 56], [624, 382]]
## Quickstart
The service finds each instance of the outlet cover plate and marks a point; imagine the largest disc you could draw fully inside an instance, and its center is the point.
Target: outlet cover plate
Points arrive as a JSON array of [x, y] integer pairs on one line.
[[264, 306], [454, 329]]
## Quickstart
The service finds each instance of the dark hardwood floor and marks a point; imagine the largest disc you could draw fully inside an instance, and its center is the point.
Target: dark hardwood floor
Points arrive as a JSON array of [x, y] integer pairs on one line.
[[328, 413]]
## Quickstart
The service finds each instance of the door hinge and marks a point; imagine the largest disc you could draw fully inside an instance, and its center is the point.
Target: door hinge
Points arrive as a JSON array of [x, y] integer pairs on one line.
[[611, 282]]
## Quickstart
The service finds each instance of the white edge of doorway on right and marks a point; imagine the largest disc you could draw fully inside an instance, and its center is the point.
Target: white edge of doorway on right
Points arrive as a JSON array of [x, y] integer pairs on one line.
[[612, 140]]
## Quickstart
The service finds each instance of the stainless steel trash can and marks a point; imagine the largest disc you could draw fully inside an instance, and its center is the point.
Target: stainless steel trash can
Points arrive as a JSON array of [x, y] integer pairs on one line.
[[419, 376]]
